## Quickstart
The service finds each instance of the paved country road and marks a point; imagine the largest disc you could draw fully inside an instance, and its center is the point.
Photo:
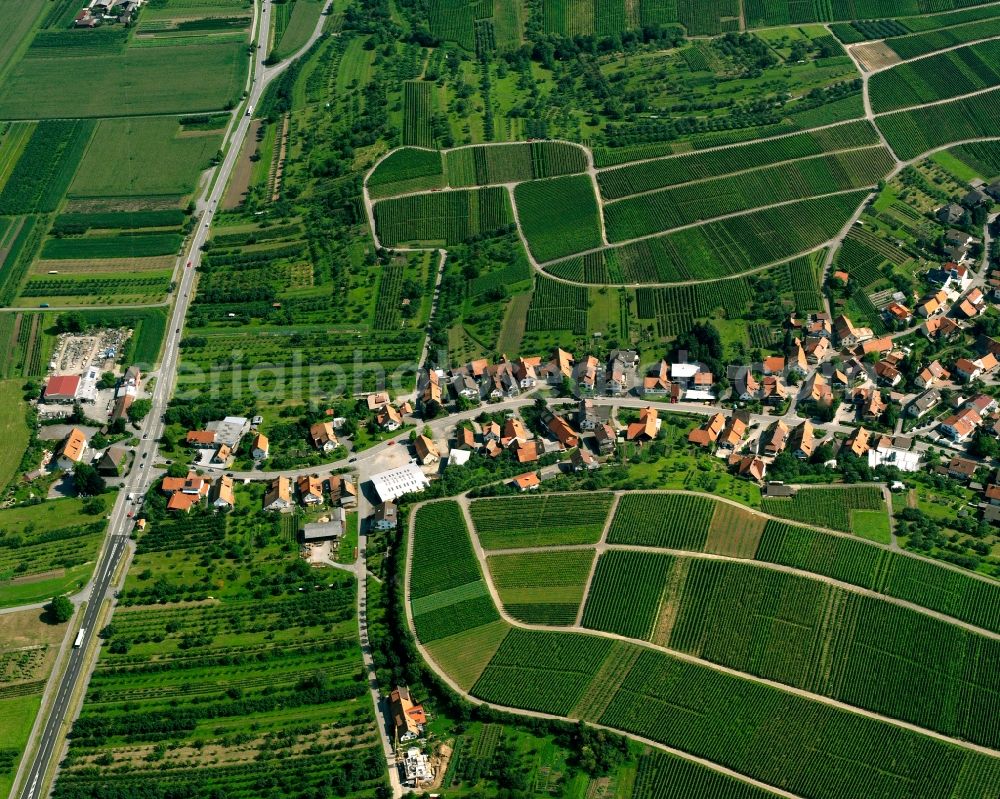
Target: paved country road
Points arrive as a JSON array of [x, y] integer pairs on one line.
[[48, 738]]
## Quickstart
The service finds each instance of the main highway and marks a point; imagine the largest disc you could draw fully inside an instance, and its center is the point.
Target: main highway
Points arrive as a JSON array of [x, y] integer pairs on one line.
[[48, 743]]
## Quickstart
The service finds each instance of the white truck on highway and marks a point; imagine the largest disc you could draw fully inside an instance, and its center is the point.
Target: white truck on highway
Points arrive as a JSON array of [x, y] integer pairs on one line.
[[79, 637]]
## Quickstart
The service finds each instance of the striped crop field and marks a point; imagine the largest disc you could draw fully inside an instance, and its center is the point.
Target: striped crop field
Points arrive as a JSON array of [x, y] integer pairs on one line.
[[453, 612], [559, 216], [919, 130], [626, 593], [483, 165], [448, 217], [829, 641], [407, 169], [670, 521], [538, 521], [659, 211], [662, 172], [939, 77], [827, 507], [542, 587]]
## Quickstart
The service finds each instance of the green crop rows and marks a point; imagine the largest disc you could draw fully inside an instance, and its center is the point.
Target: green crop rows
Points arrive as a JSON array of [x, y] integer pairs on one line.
[[558, 306], [45, 168], [132, 245], [939, 77], [788, 741], [672, 521], [440, 528], [735, 245], [924, 43], [660, 774], [512, 163], [651, 213], [675, 308], [662, 172], [626, 592], [407, 170], [913, 132], [826, 507], [539, 671], [450, 217], [418, 105], [559, 216], [904, 576], [542, 587], [540, 520], [837, 643]]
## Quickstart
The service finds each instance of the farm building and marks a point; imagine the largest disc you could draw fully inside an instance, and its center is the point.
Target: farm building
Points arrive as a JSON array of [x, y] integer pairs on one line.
[[61, 388], [390, 485], [72, 450], [185, 491], [221, 494], [260, 447], [343, 491], [385, 516], [112, 461], [426, 449], [279, 495], [408, 718], [230, 430], [329, 530]]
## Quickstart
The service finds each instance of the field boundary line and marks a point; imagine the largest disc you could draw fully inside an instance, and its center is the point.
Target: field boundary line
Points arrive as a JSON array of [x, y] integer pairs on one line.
[[407, 572], [600, 549], [683, 656], [923, 56], [738, 172], [778, 519]]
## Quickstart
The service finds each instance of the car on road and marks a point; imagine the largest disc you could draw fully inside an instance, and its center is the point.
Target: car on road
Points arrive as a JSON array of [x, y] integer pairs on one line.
[[130, 514], [189, 263], [144, 454], [351, 460], [145, 436]]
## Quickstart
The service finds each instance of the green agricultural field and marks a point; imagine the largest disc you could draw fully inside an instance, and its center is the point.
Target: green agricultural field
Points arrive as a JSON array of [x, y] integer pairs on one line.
[[552, 672], [672, 521], [542, 587], [510, 163], [405, 170], [16, 35], [939, 77], [153, 159], [627, 592], [263, 651], [830, 507], [47, 549], [917, 131], [447, 218], [13, 428], [647, 175], [137, 245], [546, 520], [301, 24], [453, 612], [658, 211], [163, 79], [559, 216], [734, 245]]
